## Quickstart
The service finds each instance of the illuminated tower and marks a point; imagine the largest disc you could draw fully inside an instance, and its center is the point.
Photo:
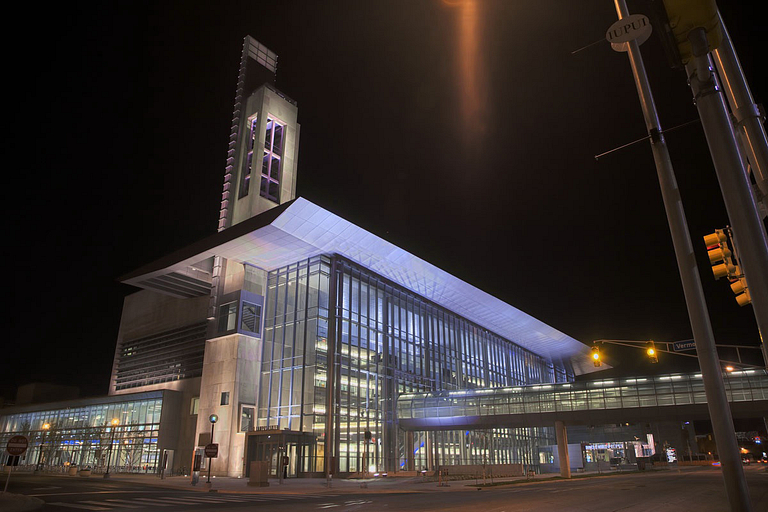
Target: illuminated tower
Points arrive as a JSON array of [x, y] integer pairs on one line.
[[264, 142]]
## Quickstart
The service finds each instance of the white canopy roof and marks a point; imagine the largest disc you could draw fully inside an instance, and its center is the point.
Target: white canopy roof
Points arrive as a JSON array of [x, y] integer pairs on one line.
[[303, 230]]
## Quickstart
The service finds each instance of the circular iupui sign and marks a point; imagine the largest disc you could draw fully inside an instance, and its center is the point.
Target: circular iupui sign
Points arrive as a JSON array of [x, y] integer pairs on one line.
[[17, 445], [635, 27]]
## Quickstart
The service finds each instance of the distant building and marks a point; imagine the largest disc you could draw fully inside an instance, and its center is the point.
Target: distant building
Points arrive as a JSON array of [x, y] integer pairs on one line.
[[40, 392], [299, 330]]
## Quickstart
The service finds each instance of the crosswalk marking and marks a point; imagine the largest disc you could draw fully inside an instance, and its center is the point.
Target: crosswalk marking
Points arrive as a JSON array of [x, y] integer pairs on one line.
[[178, 501], [83, 507], [155, 502], [170, 501], [107, 504], [125, 504], [209, 499]]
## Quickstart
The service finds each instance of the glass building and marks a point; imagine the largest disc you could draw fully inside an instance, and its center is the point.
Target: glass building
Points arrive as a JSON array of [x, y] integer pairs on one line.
[[299, 330], [81, 432], [342, 342]]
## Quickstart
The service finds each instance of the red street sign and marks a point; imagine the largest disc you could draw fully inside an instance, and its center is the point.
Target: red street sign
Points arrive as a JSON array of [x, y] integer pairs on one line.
[[17, 445], [212, 450]]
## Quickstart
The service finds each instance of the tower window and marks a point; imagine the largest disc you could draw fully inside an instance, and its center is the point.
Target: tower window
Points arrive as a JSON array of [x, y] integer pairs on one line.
[[272, 160], [245, 179]]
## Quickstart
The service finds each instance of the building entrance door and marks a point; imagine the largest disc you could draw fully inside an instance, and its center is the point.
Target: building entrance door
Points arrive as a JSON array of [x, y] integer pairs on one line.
[[274, 446]]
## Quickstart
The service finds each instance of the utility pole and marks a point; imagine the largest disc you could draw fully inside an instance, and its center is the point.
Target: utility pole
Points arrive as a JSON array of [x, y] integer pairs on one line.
[[733, 178], [719, 411]]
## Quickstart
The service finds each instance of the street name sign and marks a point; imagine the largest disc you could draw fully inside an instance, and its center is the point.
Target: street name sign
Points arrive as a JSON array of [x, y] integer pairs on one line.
[[681, 346]]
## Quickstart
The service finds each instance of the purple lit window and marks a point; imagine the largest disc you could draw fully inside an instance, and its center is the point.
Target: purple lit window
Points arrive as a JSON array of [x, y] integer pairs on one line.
[[245, 180], [270, 164]]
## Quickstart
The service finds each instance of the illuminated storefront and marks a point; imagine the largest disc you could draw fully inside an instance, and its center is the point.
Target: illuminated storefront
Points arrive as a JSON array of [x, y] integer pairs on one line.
[[80, 432]]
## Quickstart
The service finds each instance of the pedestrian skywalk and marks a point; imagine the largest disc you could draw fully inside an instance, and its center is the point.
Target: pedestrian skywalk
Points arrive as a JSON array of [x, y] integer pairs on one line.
[[660, 397]]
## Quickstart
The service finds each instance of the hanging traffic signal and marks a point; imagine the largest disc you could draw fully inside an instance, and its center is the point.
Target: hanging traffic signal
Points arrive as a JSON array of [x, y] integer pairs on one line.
[[724, 262], [739, 287], [653, 354], [720, 255], [596, 356], [686, 15]]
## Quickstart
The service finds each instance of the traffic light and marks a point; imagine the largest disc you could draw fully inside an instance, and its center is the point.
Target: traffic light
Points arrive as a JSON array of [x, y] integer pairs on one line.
[[653, 354], [686, 15], [596, 356], [720, 255], [739, 287], [724, 264]]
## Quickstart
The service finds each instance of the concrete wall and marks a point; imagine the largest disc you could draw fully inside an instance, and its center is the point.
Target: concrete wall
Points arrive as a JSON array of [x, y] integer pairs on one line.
[[262, 103], [232, 365], [147, 312]]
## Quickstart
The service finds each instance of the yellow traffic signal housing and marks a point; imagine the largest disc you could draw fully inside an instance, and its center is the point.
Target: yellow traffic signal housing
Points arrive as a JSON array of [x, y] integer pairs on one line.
[[739, 288], [716, 238], [596, 356], [718, 251], [653, 354], [686, 15], [723, 261]]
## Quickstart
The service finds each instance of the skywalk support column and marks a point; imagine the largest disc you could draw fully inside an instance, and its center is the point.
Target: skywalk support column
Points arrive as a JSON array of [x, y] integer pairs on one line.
[[562, 449]]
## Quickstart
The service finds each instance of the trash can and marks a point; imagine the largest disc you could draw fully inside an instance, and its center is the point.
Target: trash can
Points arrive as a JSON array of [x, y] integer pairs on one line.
[[641, 462], [259, 474]]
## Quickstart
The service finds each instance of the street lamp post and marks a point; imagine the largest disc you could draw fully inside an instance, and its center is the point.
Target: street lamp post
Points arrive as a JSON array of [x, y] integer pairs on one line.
[[213, 419], [114, 423], [46, 426]]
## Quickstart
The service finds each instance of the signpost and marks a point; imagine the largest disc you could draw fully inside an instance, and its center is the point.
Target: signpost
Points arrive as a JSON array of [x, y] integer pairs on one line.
[[635, 27], [212, 450], [15, 447]]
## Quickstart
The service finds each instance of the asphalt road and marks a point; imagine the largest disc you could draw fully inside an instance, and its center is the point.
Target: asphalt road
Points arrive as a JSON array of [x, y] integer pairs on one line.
[[699, 490]]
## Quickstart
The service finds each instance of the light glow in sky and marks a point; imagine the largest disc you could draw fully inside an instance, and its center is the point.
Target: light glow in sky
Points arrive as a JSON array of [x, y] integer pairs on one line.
[[469, 62]]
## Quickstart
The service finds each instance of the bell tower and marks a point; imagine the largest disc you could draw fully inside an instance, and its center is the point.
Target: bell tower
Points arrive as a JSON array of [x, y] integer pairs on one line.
[[264, 141]]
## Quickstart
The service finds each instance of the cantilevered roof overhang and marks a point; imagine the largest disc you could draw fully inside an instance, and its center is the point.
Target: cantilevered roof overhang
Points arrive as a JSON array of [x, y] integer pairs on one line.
[[300, 229]]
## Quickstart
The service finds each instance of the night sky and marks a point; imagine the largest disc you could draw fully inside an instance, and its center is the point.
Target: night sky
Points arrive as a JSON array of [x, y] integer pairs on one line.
[[465, 136]]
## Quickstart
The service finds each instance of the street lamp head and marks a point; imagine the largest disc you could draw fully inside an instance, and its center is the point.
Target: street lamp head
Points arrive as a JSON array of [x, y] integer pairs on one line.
[[213, 418], [46, 426], [115, 421]]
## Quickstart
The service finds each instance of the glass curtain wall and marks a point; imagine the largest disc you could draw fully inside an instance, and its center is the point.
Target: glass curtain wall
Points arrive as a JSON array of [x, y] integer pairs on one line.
[[386, 341], [81, 436]]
